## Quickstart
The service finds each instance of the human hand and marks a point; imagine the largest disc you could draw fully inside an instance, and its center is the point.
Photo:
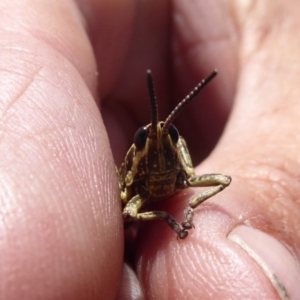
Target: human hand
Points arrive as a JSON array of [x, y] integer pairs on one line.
[[61, 222]]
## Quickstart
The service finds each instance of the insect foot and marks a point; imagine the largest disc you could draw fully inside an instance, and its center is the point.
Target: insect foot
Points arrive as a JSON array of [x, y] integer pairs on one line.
[[219, 183], [181, 232], [189, 215], [158, 164]]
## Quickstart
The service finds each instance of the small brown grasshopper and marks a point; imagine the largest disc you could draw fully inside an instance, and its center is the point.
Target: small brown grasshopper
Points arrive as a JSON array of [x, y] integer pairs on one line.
[[158, 164]]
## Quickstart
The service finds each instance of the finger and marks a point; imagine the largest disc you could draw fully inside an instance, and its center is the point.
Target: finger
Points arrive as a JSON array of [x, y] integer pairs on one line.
[[60, 218], [246, 239]]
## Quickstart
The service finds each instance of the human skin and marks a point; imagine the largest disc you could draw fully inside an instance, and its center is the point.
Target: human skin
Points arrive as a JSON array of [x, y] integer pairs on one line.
[[61, 227]]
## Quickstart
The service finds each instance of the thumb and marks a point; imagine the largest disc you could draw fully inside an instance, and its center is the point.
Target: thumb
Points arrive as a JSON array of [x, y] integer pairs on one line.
[[246, 242], [262, 150]]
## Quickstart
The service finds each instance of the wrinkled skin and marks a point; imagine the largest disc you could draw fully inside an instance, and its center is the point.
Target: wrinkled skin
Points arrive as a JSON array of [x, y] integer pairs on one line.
[[61, 231]]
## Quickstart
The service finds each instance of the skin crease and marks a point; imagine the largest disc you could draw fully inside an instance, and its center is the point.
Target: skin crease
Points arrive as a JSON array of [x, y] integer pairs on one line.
[[61, 231]]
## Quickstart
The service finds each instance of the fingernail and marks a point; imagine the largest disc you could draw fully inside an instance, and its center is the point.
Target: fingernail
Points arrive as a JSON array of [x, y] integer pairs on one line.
[[130, 287], [278, 264]]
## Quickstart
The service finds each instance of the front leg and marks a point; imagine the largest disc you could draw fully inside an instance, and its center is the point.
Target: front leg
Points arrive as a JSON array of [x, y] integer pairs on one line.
[[218, 181], [131, 213]]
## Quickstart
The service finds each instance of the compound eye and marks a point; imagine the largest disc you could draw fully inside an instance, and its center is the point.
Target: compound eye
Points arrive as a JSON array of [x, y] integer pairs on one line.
[[140, 138], [173, 132]]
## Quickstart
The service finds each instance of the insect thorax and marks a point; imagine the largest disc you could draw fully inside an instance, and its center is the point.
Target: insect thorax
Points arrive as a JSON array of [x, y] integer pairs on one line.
[[158, 166]]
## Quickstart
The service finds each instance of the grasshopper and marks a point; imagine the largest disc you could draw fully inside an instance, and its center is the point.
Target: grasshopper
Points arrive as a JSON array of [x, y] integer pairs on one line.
[[158, 164]]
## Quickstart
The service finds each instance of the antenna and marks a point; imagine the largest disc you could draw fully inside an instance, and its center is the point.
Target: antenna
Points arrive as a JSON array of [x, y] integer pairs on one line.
[[153, 102], [176, 111]]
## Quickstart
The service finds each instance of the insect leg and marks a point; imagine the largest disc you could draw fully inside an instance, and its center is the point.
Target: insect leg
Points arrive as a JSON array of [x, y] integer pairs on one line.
[[218, 181], [130, 213]]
